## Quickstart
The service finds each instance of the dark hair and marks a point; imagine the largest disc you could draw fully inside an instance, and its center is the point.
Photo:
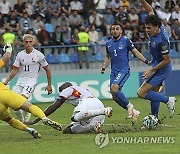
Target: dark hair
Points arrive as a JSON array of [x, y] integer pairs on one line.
[[154, 20], [64, 86]]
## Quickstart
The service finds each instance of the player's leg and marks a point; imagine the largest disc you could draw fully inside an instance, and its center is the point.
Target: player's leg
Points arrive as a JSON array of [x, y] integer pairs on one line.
[[5, 116], [36, 111], [17, 101], [145, 91], [155, 105], [89, 108], [83, 127], [26, 92], [19, 113], [117, 81]]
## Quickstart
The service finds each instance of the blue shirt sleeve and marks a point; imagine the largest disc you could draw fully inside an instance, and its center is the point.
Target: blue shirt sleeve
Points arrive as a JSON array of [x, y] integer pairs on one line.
[[130, 45], [164, 47]]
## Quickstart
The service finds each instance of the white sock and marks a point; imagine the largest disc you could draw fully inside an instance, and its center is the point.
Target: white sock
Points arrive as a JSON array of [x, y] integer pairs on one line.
[[29, 130], [20, 115], [88, 114], [27, 116], [129, 105]]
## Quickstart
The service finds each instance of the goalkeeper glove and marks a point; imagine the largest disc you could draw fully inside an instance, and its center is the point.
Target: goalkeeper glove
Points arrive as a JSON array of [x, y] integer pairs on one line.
[[7, 48]]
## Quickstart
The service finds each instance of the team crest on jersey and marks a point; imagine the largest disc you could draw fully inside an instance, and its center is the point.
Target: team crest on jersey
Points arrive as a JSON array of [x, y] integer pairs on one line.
[[33, 60], [153, 43], [120, 45]]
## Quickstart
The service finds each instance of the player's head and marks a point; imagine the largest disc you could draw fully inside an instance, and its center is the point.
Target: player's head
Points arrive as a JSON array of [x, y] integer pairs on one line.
[[152, 23], [28, 41], [64, 86], [116, 30]]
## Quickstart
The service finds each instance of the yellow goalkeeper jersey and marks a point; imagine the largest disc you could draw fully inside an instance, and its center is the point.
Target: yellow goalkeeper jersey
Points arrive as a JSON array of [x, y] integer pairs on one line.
[[2, 86]]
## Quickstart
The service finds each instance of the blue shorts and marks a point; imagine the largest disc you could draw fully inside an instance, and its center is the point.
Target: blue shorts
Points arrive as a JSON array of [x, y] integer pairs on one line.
[[157, 78], [119, 78]]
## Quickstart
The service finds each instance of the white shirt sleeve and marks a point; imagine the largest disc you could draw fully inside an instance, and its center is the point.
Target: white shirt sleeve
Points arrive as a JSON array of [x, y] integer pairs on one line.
[[42, 60], [66, 93]]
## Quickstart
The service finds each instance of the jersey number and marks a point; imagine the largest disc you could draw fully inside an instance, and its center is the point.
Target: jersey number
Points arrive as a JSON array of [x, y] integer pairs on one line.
[[26, 68], [29, 89]]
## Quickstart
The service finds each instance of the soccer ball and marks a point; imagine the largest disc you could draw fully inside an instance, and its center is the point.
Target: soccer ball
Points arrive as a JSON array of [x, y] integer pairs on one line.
[[150, 122]]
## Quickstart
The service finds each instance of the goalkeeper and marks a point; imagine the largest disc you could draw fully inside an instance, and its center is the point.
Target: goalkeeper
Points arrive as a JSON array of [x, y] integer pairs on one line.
[[10, 99]]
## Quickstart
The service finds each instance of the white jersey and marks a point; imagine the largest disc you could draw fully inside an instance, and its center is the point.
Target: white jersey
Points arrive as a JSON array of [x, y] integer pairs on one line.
[[29, 65], [74, 94]]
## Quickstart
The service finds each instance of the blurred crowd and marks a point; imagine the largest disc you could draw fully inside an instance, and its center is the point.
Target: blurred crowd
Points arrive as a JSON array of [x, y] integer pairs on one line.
[[58, 22]]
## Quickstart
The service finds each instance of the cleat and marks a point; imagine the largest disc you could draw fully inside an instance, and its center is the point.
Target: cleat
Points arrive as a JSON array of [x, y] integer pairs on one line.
[[171, 106], [108, 111], [98, 127], [130, 111], [53, 124], [34, 133], [135, 116]]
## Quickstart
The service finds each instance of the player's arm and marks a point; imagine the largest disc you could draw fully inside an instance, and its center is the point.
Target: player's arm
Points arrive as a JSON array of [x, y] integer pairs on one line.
[[106, 63], [48, 74], [50, 109], [14, 71], [147, 7], [166, 60], [140, 56], [6, 56], [136, 53]]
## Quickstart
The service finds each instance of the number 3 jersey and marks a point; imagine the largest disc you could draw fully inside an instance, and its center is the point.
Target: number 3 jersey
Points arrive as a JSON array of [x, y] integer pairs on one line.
[[29, 65], [119, 53]]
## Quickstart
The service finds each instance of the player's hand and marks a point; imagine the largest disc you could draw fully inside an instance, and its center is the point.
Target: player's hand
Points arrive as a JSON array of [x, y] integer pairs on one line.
[[147, 74], [49, 89], [5, 83], [149, 62], [102, 70], [7, 48]]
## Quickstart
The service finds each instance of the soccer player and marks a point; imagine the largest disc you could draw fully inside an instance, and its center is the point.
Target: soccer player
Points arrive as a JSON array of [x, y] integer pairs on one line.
[[159, 46], [89, 112], [117, 49], [28, 63], [10, 99]]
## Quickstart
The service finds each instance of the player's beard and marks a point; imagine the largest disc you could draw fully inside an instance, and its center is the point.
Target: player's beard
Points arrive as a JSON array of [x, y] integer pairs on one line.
[[116, 36]]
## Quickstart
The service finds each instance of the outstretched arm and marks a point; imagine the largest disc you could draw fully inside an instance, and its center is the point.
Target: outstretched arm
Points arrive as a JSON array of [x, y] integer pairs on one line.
[[50, 109], [140, 56], [148, 7]]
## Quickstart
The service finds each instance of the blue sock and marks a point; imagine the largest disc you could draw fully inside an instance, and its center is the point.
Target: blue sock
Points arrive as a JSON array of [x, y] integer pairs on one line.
[[121, 104], [156, 97], [155, 108], [122, 98]]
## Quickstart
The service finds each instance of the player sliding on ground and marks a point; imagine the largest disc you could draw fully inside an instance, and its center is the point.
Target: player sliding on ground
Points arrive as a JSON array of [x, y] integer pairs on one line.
[[10, 99], [89, 112]]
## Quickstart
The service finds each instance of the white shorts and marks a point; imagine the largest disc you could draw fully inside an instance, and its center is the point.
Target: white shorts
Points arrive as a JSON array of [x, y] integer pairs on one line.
[[24, 90], [89, 104]]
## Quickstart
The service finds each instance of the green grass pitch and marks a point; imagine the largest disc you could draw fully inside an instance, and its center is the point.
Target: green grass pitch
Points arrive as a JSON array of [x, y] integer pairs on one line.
[[14, 141]]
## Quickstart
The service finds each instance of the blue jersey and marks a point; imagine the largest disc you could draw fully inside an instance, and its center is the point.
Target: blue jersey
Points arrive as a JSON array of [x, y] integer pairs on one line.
[[158, 46], [119, 53]]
